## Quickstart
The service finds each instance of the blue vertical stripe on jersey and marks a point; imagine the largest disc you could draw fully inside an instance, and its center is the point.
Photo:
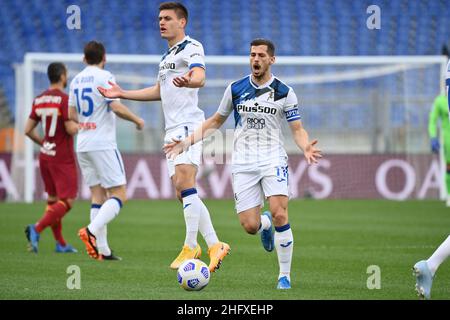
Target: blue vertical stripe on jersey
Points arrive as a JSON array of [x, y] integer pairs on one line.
[[241, 91]]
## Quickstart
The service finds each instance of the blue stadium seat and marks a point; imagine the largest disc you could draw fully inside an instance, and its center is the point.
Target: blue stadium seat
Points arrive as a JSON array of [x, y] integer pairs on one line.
[[322, 27]]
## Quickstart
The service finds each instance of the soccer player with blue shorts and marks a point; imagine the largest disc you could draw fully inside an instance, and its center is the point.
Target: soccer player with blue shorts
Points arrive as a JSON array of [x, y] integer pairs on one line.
[[425, 270], [260, 102], [99, 159], [181, 74]]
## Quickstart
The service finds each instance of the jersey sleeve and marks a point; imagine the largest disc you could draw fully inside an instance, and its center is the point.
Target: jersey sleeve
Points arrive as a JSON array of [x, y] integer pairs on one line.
[[290, 108], [65, 108], [72, 98], [105, 84], [194, 56], [226, 105]]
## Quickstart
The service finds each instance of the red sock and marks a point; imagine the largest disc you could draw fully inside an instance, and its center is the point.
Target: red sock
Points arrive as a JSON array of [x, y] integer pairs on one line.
[[53, 213], [57, 232]]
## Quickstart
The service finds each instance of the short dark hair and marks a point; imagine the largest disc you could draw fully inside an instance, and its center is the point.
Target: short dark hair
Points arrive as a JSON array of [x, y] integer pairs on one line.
[[264, 42], [94, 52], [180, 9], [446, 50], [55, 70]]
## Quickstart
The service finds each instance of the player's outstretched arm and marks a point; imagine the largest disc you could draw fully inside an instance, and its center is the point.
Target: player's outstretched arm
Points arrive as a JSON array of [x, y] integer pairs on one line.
[[146, 94], [195, 78], [301, 138], [206, 129], [123, 112]]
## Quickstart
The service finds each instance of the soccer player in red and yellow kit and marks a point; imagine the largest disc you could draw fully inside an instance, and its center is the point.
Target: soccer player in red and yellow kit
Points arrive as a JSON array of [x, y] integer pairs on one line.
[[56, 157]]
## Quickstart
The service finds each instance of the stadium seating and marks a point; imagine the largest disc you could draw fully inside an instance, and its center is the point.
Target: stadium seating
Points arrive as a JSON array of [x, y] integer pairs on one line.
[[325, 27]]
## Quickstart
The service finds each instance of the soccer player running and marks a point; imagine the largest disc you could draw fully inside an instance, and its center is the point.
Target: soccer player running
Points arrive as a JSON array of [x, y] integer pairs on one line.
[[99, 159], [425, 270], [56, 158], [181, 74], [261, 102]]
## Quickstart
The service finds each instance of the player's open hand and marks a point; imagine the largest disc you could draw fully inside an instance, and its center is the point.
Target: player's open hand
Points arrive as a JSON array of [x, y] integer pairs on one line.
[[312, 154], [114, 92], [173, 149], [140, 124], [183, 81]]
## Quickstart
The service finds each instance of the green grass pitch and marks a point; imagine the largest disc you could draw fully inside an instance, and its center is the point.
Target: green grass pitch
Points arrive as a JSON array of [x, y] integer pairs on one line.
[[335, 242]]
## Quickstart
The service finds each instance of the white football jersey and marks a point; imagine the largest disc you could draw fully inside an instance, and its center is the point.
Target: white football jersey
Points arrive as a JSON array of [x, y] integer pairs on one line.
[[180, 105], [97, 121], [258, 115]]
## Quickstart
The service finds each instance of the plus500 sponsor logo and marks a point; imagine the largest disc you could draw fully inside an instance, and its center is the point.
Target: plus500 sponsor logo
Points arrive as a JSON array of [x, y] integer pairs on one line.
[[256, 108]]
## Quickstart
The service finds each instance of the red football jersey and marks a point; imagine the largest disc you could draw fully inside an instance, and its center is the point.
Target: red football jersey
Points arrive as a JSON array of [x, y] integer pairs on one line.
[[51, 108]]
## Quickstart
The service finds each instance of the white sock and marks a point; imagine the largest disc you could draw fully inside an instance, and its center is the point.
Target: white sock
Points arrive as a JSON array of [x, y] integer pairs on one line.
[[206, 227], [102, 235], [265, 223], [109, 210], [284, 244], [439, 256], [192, 206]]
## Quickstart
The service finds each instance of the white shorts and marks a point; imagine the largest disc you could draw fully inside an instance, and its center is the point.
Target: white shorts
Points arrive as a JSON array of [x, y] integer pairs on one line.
[[251, 188], [104, 167], [191, 156]]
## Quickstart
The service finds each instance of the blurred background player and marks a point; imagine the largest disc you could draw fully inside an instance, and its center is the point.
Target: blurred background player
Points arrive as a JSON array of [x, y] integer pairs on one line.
[[439, 112], [56, 158], [425, 270], [181, 74], [260, 102], [99, 159]]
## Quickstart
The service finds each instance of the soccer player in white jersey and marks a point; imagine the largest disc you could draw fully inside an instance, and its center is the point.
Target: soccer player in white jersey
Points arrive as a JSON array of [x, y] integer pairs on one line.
[[425, 270], [181, 74], [260, 102], [99, 159]]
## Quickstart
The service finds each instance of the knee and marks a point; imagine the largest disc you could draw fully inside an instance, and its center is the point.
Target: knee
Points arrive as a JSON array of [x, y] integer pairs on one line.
[[279, 216], [181, 185], [67, 203], [250, 227], [70, 202], [120, 194]]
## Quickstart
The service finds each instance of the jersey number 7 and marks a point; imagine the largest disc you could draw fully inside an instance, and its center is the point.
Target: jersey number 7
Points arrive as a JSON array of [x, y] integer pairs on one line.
[[85, 96], [43, 113]]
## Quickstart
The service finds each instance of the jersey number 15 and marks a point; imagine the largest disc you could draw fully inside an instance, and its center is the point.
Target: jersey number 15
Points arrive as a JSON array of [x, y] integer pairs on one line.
[[84, 96]]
